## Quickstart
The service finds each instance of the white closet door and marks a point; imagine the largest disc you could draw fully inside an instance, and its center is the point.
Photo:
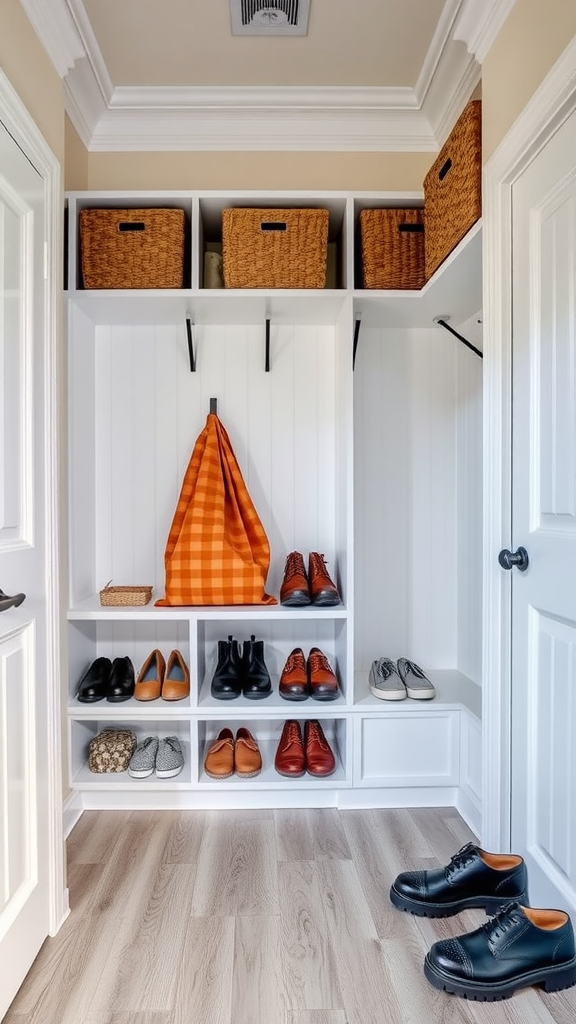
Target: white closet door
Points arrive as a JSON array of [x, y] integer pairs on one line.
[[24, 859], [544, 521]]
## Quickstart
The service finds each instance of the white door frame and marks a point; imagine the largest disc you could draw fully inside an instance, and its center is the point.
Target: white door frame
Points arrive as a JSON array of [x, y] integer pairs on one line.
[[27, 135], [551, 104]]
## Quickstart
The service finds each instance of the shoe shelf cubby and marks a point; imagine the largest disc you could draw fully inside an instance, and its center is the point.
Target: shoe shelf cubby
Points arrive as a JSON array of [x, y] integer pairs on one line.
[[376, 469]]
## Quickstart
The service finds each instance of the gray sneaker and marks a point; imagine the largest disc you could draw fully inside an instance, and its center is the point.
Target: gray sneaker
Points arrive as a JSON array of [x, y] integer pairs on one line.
[[143, 760], [169, 759], [418, 686], [385, 682]]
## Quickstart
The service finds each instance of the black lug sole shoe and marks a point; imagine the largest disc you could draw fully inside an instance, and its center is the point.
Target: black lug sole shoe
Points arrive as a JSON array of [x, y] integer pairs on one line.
[[518, 948], [473, 878]]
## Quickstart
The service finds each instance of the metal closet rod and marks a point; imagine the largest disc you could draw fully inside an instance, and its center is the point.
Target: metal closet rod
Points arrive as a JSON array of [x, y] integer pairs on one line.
[[442, 322]]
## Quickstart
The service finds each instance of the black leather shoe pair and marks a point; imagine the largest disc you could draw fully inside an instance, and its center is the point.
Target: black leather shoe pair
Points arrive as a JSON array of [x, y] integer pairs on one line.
[[106, 679], [241, 672], [517, 948]]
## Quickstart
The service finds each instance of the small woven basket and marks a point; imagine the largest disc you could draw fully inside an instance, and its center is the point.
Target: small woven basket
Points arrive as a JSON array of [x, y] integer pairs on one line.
[[392, 243], [274, 248], [132, 248], [453, 188], [125, 595]]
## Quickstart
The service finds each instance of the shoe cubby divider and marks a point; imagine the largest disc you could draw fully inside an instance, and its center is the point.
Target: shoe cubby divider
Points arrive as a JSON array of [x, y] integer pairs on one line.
[[82, 731], [267, 731]]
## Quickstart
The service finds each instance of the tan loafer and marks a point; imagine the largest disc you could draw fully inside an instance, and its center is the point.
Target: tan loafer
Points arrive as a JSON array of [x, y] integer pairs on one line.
[[176, 683], [219, 761], [247, 757], [150, 678]]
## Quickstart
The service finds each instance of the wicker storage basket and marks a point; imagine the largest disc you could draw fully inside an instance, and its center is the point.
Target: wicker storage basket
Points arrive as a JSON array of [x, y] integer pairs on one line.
[[274, 248], [132, 248], [392, 243], [452, 188], [125, 595]]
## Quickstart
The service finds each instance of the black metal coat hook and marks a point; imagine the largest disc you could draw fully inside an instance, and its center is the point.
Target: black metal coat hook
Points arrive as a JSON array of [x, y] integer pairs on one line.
[[214, 406], [267, 356], [442, 322], [191, 354], [355, 342]]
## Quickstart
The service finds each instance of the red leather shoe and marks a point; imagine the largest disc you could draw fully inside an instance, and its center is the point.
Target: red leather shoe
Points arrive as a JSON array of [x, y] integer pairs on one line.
[[323, 682], [320, 760], [290, 758], [294, 679], [322, 590], [294, 591]]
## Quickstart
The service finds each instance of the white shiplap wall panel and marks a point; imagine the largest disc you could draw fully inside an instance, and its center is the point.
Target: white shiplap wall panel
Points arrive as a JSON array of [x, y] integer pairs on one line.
[[150, 409]]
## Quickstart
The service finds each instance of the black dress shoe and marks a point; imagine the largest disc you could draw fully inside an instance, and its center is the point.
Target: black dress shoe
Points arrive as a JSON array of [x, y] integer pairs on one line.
[[94, 684], [473, 878], [517, 948], [227, 680], [122, 680], [256, 681]]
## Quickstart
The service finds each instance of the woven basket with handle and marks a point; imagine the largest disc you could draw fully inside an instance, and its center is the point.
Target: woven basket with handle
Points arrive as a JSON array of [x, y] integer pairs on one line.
[[274, 248], [392, 242], [125, 595], [132, 248], [452, 188]]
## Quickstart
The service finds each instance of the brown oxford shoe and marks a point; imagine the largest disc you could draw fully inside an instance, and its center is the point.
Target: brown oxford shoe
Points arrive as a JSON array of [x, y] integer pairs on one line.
[[219, 761], [247, 757], [322, 590], [294, 591], [294, 679], [323, 682], [290, 759], [320, 760]]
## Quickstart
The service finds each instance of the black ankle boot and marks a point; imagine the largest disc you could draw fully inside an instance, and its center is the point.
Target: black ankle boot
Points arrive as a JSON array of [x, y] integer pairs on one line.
[[255, 678], [227, 680]]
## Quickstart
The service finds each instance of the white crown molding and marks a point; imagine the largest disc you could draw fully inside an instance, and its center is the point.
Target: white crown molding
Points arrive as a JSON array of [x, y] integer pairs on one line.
[[263, 127], [479, 23], [437, 48], [55, 28]]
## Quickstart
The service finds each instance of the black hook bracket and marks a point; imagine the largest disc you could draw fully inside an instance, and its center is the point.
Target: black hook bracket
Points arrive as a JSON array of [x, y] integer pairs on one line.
[[214, 406], [356, 336], [191, 354], [267, 352], [442, 322]]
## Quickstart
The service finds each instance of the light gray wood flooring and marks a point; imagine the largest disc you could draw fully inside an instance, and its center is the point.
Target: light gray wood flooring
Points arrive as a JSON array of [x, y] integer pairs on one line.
[[255, 917]]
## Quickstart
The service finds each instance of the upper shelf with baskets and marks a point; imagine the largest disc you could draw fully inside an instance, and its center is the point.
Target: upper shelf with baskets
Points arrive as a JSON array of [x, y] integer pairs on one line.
[[453, 290]]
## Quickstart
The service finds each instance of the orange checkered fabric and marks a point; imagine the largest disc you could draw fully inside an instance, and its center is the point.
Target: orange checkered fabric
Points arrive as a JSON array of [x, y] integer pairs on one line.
[[217, 551]]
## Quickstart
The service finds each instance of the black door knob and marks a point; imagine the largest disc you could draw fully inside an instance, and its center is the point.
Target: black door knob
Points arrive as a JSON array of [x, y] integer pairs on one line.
[[509, 559]]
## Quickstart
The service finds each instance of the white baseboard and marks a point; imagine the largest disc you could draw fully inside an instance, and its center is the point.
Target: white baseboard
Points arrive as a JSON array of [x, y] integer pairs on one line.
[[72, 809]]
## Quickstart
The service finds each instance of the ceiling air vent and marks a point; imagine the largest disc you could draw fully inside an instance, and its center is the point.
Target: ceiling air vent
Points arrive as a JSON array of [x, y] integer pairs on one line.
[[269, 17]]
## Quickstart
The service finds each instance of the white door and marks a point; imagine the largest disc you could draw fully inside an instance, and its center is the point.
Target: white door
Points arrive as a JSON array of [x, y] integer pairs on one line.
[[543, 825], [24, 828]]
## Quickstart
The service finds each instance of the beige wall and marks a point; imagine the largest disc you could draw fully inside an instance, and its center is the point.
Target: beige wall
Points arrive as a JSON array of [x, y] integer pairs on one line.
[[32, 74], [353, 171], [76, 162], [533, 37]]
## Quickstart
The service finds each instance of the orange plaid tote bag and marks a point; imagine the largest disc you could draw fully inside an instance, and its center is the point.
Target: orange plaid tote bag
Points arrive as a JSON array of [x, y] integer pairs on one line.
[[217, 551]]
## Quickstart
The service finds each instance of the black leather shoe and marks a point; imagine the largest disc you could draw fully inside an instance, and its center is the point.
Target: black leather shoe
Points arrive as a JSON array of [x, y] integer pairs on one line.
[[255, 677], [517, 948], [227, 680], [94, 683], [473, 878], [122, 680]]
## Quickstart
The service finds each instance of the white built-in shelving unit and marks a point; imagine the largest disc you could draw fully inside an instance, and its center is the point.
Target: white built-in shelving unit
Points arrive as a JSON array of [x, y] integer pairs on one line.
[[378, 468]]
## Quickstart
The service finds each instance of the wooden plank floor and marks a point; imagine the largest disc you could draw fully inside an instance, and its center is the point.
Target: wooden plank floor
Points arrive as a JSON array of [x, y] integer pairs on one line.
[[255, 917]]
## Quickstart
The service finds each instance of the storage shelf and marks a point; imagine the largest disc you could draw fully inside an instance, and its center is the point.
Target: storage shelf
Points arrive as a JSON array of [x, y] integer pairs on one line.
[[91, 609], [453, 691]]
